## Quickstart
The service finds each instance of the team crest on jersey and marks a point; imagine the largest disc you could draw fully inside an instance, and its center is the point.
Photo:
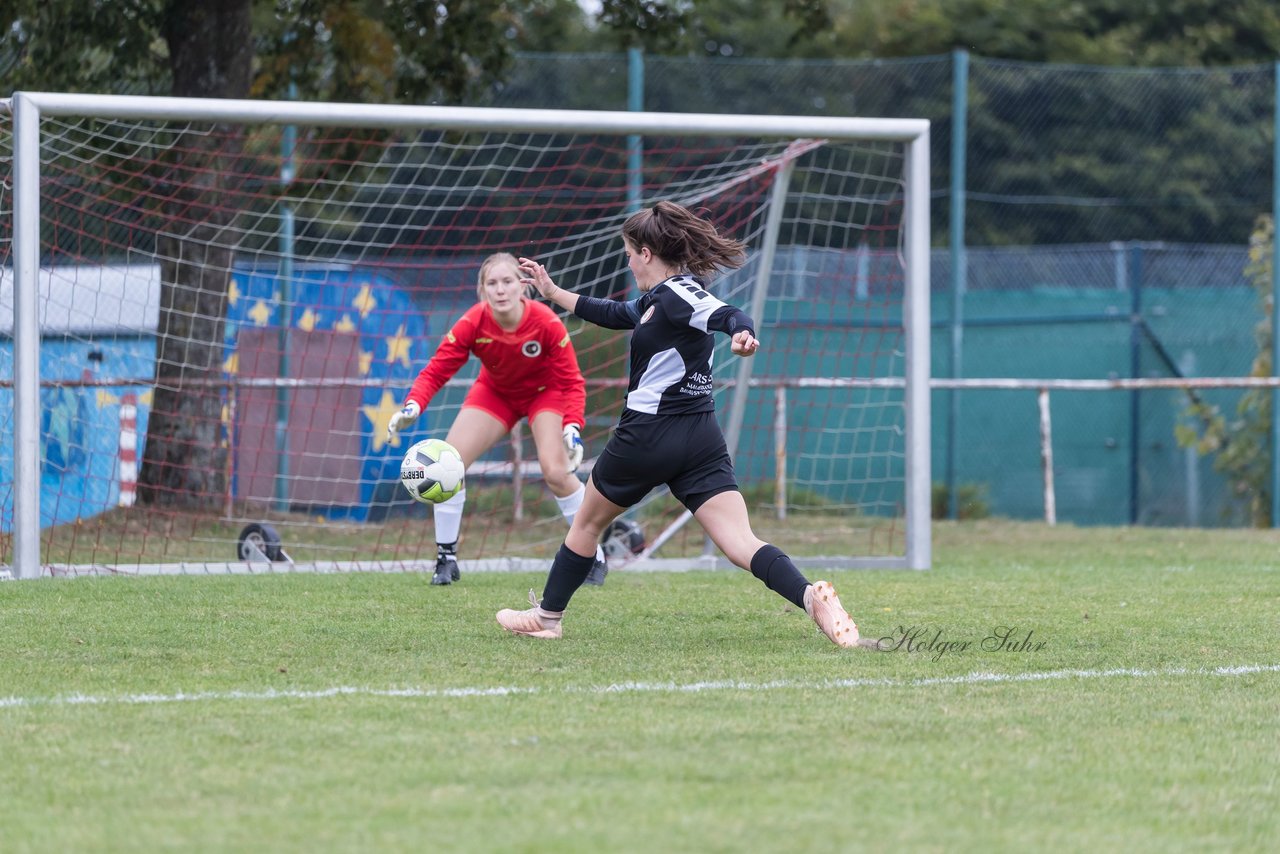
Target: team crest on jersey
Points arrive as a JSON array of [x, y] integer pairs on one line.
[[531, 348], [648, 313]]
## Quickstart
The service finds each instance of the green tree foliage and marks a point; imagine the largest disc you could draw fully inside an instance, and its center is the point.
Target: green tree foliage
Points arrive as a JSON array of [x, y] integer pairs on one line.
[[1241, 444], [654, 25], [383, 52], [1093, 32], [379, 51], [77, 46], [554, 26], [741, 28]]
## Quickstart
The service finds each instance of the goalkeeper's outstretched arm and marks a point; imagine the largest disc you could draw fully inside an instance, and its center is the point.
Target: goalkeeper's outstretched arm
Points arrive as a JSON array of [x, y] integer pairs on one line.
[[449, 357]]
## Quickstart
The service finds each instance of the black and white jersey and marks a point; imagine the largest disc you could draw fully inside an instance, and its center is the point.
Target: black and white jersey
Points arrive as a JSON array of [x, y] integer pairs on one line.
[[671, 348]]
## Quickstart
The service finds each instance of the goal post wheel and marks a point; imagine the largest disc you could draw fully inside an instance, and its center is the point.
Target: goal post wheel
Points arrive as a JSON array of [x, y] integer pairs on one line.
[[260, 542], [622, 539]]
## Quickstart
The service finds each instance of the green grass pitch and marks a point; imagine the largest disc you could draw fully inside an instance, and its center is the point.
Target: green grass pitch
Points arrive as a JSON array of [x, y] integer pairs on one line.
[[1128, 701]]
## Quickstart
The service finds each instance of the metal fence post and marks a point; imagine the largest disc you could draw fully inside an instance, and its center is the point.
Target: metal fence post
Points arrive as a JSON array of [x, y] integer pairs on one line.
[[1135, 371], [959, 259], [1275, 304]]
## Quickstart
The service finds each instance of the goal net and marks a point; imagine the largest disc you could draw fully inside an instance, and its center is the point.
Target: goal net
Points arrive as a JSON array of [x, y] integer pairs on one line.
[[212, 308]]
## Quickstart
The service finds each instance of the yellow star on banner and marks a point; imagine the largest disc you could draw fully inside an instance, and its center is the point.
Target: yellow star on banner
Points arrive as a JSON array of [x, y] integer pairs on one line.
[[366, 362], [378, 417], [233, 292], [260, 314], [106, 398], [364, 301], [232, 364], [398, 347], [308, 320], [346, 324]]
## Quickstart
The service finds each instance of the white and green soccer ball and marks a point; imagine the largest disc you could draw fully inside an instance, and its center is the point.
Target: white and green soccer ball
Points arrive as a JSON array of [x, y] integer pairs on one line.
[[432, 471]]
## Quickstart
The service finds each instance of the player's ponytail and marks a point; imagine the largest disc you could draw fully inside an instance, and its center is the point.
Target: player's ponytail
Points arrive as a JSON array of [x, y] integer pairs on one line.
[[679, 236]]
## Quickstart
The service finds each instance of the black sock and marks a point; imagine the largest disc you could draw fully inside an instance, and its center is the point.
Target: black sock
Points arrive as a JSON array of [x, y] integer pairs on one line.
[[771, 565], [568, 572], [446, 549]]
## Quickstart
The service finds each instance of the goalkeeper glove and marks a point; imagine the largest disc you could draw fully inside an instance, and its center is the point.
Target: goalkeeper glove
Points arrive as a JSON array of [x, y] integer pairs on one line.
[[403, 418], [573, 444]]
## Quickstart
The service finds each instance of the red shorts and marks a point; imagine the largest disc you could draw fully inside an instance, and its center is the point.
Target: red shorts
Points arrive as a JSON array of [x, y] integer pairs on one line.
[[508, 408]]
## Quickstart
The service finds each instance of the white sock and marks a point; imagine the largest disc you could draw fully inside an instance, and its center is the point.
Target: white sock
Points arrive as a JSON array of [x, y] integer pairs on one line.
[[448, 516], [570, 503]]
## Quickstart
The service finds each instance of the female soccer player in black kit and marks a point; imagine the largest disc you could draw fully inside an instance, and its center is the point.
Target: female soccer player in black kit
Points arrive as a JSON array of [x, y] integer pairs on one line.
[[668, 433]]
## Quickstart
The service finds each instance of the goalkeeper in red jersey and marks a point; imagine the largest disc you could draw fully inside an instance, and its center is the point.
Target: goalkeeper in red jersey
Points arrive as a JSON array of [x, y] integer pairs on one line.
[[528, 370]]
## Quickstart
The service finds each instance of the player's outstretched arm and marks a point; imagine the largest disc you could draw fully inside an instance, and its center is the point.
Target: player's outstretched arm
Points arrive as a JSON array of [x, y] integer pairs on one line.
[[743, 343], [537, 275], [451, 355]]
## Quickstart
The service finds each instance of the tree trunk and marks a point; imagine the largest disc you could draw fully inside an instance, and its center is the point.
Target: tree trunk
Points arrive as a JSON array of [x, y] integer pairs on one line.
[[183, 465]]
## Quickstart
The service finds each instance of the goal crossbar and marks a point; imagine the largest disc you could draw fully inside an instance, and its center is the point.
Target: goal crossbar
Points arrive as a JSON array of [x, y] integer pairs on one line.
[[465, 118]]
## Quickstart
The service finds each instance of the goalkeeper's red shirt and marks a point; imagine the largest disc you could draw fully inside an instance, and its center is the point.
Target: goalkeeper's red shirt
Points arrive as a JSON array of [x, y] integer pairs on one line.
[[518, 365]]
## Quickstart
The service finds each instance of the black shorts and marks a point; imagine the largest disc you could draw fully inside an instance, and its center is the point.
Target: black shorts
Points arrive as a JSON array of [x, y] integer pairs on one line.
[[685, 452]]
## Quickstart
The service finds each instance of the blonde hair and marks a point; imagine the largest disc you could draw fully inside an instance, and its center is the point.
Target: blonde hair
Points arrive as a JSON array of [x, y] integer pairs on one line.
[[679, 236], [492, 261]]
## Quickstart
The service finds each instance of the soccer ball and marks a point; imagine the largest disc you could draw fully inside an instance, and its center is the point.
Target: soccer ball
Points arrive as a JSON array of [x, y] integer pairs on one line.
[[432, 471]]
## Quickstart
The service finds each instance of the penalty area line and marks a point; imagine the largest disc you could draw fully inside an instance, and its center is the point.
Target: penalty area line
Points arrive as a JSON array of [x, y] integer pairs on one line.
[[975, 678]]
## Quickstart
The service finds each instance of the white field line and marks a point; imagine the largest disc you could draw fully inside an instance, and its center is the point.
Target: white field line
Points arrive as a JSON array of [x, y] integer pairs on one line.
[[977, 678]]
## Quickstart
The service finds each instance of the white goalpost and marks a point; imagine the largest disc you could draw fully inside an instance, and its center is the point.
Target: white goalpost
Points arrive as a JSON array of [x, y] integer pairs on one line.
[[212, 307]]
